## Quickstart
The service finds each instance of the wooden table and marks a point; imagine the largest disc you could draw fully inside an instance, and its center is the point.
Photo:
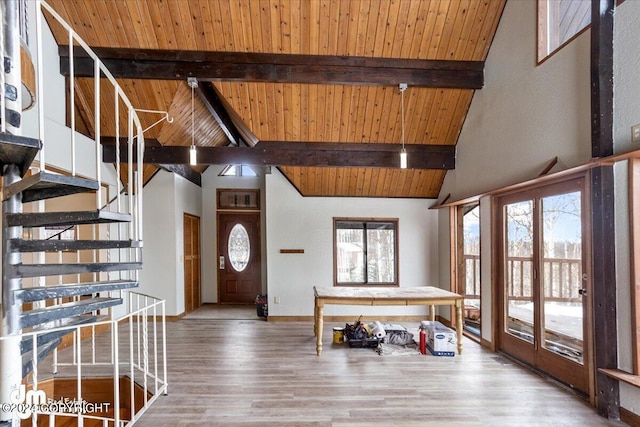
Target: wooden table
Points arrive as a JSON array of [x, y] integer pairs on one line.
[[425, 295]]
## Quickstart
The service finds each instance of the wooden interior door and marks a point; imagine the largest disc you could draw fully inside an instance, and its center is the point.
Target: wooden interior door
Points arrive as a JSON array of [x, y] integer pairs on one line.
[[544, 280], [192, 299], [239, 270]]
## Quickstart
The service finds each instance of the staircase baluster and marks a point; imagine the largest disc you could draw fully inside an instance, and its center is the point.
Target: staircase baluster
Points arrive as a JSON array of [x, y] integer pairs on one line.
[[96, 88], [117, 113], [155, 350], [164, 348], [131, 367], [79, 374], [72, 100], [40, 84], [116, 374], [34, 376], [145, 348]]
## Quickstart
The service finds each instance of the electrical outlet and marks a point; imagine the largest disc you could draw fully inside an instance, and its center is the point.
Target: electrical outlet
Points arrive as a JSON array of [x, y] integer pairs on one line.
[[635, 133], [276, 300]]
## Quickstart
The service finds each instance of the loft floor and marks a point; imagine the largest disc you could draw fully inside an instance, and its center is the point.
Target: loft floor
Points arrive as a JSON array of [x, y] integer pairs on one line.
[[252, 372]]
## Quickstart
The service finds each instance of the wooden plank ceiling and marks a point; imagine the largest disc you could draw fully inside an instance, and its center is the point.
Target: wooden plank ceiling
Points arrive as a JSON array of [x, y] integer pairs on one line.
[[451, 30]]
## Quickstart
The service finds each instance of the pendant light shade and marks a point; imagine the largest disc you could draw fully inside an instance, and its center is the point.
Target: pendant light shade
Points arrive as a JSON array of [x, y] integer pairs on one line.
[[193, 156], [403, 158]]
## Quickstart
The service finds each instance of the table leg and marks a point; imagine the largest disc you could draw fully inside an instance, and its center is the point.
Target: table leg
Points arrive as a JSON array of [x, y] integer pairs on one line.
[[459, 324], [315, 317], [432, 313], [319, 327]]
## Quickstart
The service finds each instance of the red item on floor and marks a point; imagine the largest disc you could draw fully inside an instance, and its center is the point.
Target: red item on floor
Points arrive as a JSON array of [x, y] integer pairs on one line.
[[423, 341]]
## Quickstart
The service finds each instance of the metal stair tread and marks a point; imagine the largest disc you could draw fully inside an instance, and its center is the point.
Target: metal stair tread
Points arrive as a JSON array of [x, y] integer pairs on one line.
[[68, 309], [42, 219], [54, 245], [18, 150], [39, 293], [36, 270], [44, 337], [46, 185]]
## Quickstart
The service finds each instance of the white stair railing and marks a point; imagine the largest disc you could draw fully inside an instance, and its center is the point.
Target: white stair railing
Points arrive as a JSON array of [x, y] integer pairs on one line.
[[133, 346], [103, 80]]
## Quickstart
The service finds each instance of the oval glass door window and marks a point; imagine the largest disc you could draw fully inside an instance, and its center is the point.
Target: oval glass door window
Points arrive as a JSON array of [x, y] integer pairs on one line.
[[239, 247]]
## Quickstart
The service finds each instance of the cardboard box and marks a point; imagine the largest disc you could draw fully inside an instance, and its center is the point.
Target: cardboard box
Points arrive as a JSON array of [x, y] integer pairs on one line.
[[441, 341]]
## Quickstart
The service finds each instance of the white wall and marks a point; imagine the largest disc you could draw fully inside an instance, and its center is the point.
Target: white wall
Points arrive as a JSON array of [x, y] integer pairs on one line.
[[626, 114], [159, 272], [167, 197], [210, 183], [444, 259], [526, 114], [296, 222]]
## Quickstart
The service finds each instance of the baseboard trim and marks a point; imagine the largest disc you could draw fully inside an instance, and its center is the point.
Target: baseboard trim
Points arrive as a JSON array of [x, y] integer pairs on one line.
[[175, 318], [349, 319], [628, 417], [157, 318]]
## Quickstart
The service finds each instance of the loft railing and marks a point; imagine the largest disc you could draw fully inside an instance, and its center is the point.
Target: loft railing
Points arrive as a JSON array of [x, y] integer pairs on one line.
[[134, 345]]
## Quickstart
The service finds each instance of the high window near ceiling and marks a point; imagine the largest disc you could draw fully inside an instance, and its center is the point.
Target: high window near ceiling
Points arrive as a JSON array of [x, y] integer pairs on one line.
[[559, 22], [365, 252]]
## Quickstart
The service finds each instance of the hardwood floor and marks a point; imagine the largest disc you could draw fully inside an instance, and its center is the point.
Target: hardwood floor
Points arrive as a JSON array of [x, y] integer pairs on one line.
[[257, 373]]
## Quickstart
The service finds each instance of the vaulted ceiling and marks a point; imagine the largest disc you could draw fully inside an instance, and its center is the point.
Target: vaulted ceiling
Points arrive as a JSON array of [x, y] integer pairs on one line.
[[282, 72]]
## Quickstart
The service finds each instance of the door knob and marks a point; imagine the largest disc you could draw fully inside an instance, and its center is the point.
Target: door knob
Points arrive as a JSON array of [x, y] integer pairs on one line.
[[582, 291]]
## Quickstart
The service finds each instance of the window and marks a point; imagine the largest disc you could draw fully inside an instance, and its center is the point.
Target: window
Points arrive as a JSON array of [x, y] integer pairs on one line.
[[559, 21], [365, 252], [237, 170], [467, 255]]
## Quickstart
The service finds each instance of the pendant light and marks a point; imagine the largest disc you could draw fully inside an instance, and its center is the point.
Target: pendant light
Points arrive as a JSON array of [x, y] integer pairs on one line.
[[193, 155], [403, 152]]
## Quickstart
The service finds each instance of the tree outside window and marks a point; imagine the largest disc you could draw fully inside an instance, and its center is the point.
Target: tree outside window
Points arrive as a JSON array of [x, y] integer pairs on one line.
[[365, 252]]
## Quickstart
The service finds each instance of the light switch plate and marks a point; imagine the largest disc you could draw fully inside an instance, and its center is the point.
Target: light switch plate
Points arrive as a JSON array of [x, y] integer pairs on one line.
[[635, 133]]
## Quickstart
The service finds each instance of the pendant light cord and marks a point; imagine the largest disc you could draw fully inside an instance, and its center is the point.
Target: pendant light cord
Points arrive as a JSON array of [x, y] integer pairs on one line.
[[402, 108]]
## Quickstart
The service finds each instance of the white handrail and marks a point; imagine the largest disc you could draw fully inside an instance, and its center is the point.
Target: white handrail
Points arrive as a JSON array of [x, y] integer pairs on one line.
[[142, 308]]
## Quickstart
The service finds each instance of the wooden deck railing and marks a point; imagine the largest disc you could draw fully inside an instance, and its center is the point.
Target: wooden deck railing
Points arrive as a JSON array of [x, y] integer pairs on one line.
[[562, 278]]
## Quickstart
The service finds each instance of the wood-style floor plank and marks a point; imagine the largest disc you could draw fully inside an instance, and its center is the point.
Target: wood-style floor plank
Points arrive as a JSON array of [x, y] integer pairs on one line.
[[258, 373]]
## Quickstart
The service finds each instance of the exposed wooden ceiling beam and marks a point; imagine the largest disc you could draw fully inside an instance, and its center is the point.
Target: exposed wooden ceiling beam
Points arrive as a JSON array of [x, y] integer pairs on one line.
[[274, 153], [282, 68], [184, 171], [210, 98]]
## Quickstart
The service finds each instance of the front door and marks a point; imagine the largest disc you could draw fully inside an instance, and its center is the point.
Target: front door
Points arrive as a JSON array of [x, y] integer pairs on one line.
[[239, 270], [543, 275]]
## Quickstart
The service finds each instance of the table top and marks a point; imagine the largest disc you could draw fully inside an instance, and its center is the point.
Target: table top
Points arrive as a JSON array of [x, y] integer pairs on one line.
[[384, 293]]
